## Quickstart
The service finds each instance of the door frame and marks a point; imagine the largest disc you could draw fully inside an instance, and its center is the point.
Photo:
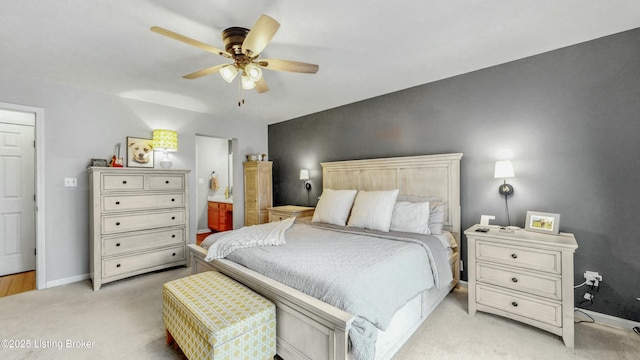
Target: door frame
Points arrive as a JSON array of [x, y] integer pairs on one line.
[[41, 278]]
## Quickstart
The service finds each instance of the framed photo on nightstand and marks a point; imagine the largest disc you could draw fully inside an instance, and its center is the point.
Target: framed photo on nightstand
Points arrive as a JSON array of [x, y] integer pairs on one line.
[[547, 223]]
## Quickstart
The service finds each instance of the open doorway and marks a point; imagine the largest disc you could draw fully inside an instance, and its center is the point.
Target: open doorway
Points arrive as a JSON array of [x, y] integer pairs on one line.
[[214, 193], [21, 199]]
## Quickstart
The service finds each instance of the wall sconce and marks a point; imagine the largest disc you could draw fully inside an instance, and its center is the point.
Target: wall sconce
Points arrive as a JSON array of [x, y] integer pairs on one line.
[[165, 141], [504, 170], [304, 176]]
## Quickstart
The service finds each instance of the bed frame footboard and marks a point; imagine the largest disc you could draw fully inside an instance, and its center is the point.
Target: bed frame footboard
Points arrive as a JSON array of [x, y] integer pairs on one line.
[[306, 328]]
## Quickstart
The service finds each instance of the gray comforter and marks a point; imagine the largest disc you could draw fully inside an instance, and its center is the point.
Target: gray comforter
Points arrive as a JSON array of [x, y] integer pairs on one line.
[[366, 273]]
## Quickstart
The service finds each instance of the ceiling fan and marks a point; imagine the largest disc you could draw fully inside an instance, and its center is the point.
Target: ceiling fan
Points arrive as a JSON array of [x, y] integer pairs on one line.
[[243, 46]]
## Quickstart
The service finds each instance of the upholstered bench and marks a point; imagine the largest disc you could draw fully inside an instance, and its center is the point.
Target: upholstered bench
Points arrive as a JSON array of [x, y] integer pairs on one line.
[[211, 316]]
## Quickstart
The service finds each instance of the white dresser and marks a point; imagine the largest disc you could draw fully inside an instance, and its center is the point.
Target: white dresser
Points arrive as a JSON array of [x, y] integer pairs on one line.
[[524, 276], [138, 221]]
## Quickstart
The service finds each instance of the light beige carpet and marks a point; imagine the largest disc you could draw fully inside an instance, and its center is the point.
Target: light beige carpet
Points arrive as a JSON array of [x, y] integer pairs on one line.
[[124, 321]]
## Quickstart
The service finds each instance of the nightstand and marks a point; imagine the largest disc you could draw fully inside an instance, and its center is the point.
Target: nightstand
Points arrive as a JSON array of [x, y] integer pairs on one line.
[[525, 276], [278, 213]]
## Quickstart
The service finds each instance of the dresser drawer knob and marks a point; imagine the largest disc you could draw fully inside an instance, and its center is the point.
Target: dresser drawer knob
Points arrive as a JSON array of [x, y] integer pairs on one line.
[[514, 304], [118, 265], [173, 236], [173, 199], [118, 223], [166, 182], [117, 202], [514, 279], [174, 254], [515, 256], [173, 218], [117, 244], [124, 182]]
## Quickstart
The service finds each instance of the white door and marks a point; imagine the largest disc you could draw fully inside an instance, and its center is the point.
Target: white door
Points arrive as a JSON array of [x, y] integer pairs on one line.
[[17, 192]]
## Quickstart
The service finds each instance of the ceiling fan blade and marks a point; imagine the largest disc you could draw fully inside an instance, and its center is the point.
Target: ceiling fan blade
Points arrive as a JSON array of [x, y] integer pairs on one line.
[[190, 41], [204, 72], [260, 35], [261, 86], [288, 65]]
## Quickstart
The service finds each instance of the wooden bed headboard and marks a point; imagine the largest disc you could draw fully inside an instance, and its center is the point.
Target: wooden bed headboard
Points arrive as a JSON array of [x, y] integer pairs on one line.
[[429, 176]]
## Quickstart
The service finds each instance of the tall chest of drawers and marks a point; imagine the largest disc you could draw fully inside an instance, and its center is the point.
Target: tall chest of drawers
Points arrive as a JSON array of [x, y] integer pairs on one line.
[[524, 276], [138, 221]]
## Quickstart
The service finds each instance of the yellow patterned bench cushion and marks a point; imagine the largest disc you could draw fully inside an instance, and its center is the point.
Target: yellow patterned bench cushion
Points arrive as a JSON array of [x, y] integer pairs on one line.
[[211, 316]]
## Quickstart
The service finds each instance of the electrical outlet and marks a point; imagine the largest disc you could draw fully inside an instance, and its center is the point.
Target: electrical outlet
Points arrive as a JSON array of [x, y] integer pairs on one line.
[[592, 278], [70, 182]]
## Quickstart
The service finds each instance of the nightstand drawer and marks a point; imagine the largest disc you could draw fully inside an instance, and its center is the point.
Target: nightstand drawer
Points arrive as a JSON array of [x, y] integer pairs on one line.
[[542, 285], [536, 259], [538, 310], [144, 241], [139, 202]]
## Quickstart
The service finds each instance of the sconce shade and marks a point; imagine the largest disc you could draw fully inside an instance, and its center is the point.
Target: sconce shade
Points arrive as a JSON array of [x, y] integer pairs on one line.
[[304, 174], [504, 169], [165, 140]]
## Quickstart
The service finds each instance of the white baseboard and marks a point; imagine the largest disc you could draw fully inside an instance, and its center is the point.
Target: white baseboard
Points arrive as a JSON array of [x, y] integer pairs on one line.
[[607, 319], [596, 316], [68, 280]]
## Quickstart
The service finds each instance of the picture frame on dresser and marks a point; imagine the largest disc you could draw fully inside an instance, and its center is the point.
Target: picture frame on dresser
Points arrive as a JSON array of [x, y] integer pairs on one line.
[[547, 223], [139, 152]]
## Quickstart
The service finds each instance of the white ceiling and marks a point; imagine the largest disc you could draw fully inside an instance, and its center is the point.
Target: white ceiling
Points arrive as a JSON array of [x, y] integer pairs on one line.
[[364, 48]]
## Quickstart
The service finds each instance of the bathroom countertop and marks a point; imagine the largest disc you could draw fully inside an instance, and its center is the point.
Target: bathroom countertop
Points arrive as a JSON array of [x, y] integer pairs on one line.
[[220, 198]]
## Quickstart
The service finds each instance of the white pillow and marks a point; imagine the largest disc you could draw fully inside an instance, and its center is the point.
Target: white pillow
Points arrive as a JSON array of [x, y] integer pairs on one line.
[[334, 206], [373, 210], [436, 217], [411, 217]]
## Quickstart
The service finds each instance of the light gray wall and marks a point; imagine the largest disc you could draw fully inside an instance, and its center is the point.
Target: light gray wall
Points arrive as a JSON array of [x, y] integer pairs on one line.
[[568, 119], [80, 125]]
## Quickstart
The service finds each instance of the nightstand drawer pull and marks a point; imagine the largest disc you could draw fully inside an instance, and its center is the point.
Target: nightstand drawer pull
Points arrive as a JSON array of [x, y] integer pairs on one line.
[[118, 223], [124, 181], [515, 256], [118, 265], [173, 218], [514, 280], [117, 202], [174, 254], [166, 182], [514, 304], [117, 244], [173, 200], [173, 236]]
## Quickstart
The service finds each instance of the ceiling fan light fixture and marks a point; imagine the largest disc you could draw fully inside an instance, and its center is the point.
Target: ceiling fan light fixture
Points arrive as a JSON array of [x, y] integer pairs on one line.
[[247, 83], [229, 73], [253, 72]]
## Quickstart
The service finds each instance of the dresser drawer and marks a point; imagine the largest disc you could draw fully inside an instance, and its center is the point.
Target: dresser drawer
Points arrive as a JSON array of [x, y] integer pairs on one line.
[[130, 222], [542, 285], [123, 244], [536, 259], [127, 264], [122, 182], [166, 182], [141, 202], [548, 312]]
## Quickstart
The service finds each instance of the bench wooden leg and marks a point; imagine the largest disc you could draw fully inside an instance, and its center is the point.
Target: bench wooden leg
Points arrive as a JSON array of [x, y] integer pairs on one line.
[[170, 339]]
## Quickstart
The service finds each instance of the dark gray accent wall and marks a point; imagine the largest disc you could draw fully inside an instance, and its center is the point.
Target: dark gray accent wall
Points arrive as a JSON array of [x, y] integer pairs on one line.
[[568, 119]]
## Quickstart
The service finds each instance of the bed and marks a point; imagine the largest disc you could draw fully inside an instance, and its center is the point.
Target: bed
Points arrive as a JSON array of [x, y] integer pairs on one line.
[[308, 328]]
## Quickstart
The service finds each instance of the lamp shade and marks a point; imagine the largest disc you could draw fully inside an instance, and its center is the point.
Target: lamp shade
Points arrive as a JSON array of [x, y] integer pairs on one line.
[[247, 83], [504, 169], [229, 73], [253, 72], [304, 174], [165, 140]]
